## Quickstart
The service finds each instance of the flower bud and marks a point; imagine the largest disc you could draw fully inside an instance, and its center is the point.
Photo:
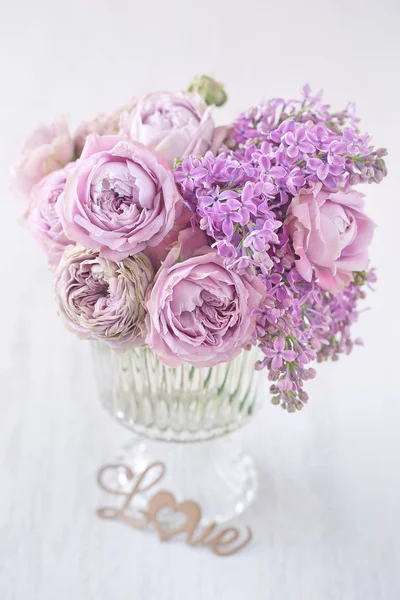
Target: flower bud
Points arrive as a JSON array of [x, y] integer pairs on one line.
[[212, 91]]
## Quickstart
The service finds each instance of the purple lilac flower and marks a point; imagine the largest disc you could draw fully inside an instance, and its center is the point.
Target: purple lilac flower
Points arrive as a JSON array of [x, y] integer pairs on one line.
[[304, 134], [279, 354], [230, 201]]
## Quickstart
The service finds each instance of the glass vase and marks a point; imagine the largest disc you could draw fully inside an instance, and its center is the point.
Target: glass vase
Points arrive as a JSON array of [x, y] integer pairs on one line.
[[182, 416]]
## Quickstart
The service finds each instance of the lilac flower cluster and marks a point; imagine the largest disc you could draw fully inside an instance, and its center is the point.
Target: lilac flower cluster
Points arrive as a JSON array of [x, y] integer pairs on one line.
[[242, 198], [341, 313], [230, 199], [300, 323], [305, 138]]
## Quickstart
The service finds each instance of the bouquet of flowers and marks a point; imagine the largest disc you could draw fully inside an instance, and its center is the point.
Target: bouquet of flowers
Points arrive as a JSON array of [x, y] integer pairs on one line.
[[200, 241]]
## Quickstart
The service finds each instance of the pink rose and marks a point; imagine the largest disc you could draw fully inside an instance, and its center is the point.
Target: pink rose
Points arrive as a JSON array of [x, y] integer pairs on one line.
[[175, 125], [42, 218], [120, 199], [330, 234], [102, 124], [46, 150], [200, 312]]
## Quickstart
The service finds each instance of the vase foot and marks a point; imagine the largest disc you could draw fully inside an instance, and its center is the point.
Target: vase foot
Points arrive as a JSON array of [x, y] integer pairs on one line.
[[216, 474]]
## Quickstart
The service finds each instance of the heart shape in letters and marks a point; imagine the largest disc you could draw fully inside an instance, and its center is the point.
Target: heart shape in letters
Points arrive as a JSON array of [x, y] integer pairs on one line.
[[188, 510]]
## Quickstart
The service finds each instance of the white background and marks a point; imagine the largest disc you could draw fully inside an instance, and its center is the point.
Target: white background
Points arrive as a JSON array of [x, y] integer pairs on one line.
[[327, 520]]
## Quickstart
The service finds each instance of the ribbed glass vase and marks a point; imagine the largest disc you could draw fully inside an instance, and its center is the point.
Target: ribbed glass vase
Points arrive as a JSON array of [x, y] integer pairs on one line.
[[166, 406]]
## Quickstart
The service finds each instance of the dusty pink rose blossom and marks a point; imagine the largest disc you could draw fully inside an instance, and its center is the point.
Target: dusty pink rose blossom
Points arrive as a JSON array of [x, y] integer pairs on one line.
[[120, 199], [42, 218], [174, 125], [48, 148], [102, 124], [200, 312], [103, 300], [331, 235]]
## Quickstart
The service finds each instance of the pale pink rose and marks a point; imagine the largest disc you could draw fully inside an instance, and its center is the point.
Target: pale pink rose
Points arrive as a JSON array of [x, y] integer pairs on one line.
[[174, 125], [102, 124], [42, 218], [200, 312], [48, 148], [331, 235], [120, 199]]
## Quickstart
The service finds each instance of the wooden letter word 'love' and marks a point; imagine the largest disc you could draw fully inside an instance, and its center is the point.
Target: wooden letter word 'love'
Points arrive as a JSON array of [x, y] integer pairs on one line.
[[222, 543]]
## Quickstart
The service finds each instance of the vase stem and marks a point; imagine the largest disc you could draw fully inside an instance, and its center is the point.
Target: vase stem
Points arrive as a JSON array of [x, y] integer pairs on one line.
[[215, 473]]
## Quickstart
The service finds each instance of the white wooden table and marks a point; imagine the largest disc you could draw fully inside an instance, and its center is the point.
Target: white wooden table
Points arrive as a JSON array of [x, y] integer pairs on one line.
[[327, 518]]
